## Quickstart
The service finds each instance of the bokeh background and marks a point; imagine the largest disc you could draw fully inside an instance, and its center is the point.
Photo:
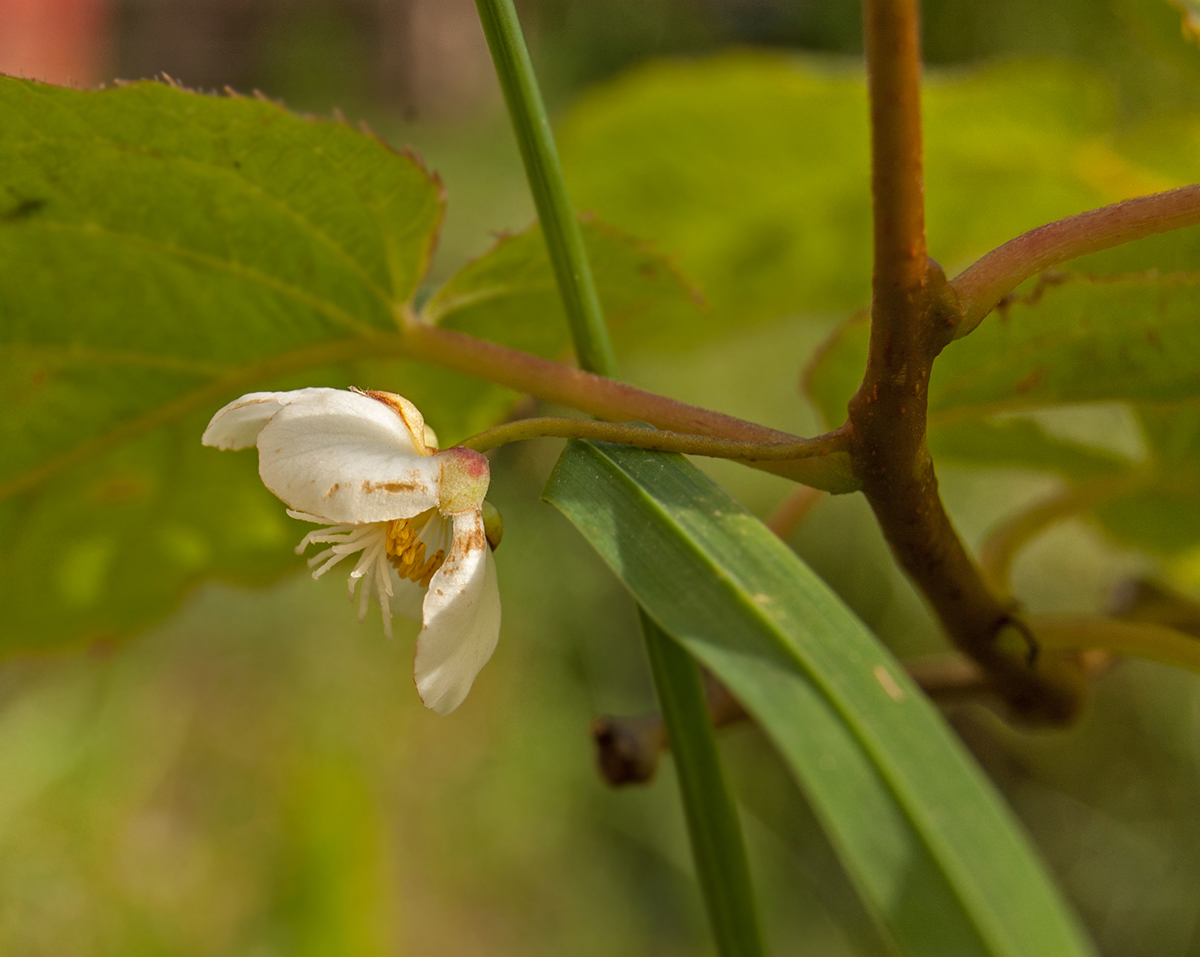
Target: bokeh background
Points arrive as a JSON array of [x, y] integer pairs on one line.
[[256, 775]]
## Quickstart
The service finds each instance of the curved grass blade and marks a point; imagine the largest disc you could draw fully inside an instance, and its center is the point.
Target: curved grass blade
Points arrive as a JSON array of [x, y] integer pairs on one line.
[[937, 857]]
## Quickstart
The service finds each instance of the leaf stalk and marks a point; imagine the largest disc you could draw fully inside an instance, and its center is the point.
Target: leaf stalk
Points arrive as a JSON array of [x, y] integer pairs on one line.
[[982, 285]]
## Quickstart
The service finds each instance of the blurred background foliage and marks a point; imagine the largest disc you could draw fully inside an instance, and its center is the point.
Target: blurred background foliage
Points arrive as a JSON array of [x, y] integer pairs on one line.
[[256, 776]]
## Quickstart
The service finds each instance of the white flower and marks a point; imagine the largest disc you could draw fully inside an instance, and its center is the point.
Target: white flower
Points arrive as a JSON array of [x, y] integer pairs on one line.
[[365, 465]]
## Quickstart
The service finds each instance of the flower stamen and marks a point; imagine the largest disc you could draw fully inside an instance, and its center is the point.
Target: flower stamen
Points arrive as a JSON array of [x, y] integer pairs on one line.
[[407, 541]]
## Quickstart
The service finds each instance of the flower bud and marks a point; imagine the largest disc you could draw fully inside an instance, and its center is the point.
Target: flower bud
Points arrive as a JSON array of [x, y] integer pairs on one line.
[[493, 525]]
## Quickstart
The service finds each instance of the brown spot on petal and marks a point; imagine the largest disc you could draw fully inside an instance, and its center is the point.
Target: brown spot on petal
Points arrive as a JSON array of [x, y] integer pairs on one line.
[[333, 488], [475, 541], [392, 487]]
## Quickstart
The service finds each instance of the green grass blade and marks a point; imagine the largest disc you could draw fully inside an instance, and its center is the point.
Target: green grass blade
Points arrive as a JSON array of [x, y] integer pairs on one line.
[[712, 819], [938, 858], [559, 224]]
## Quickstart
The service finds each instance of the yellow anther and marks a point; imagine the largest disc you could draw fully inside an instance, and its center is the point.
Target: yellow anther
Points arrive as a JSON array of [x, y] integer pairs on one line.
[[406, 552]]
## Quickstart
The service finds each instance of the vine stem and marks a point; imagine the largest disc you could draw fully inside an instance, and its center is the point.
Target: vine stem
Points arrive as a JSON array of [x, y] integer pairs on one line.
[[913, 316], [653, 439], [983, 284], [609, 399], [897, 168], [713, 826]]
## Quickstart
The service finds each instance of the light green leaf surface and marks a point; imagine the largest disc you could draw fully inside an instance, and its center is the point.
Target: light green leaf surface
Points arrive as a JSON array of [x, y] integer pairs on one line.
[[1021, 444], [753, 168], [162, 252], [938, 859], [1159, 513], [510, 295]]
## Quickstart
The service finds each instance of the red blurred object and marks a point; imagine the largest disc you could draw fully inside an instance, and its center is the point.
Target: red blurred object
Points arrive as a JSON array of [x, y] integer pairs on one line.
[[60, 41]]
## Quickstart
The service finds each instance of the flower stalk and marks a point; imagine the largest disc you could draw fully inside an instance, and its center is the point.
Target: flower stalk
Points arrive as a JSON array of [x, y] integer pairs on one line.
[[657, 440], [607, 398]]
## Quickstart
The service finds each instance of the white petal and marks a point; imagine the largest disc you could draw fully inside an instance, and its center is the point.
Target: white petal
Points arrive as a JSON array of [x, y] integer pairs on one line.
[[462, 619], [347, 458], [237, 425], [407, 598]]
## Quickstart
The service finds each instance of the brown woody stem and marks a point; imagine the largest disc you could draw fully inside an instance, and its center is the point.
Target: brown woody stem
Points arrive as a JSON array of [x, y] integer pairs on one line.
[[913, 316], [897, 167], [982, 285]]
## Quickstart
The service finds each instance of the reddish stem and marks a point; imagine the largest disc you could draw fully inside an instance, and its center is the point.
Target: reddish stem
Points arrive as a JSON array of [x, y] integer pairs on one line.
[[983, 284]]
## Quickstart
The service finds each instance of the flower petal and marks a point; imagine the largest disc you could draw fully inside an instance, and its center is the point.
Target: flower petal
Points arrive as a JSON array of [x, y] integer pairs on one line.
[[237, 425], [346, 458], [407, 599], [462, 619]]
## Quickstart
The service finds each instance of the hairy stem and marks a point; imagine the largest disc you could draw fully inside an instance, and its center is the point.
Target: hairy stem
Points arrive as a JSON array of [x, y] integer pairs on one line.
[[560, 227], [654, 439], [913, 315], [983, 284]]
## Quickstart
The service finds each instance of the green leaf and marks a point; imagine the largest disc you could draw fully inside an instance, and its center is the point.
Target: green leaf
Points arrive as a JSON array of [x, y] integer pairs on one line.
[[937, 857], [509, 294], [162, 252], [1159, 512], [160, 248], [771, 217], [1021, 444]]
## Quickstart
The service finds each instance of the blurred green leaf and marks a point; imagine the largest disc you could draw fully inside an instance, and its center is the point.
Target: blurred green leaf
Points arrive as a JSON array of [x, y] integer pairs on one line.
[[509, 294], [1020, 444], [1159, 513], [938, 859], [752, 167]]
